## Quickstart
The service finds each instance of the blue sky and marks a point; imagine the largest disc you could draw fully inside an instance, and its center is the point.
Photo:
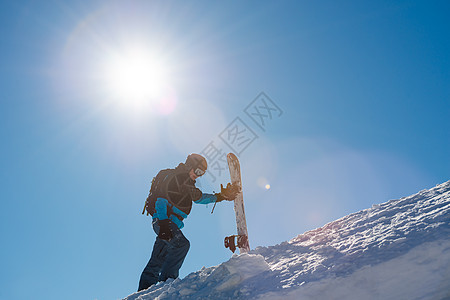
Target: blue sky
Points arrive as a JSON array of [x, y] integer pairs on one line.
[[362, 88]]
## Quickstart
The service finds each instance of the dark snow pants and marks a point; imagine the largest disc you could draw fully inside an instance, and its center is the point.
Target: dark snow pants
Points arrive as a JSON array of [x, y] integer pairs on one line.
[[167, 257]]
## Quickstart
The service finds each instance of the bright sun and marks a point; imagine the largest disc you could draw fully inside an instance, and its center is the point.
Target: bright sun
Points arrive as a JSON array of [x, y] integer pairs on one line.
[[136, 75]]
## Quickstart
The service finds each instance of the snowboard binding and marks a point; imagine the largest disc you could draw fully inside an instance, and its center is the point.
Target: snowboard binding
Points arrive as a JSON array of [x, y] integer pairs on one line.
[[230, 242]]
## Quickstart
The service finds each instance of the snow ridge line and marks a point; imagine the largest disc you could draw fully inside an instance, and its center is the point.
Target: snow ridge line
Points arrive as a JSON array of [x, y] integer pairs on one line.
[[367, 237]]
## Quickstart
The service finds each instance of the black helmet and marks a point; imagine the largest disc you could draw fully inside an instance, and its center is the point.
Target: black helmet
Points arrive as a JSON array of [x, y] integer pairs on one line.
[[194, 161]]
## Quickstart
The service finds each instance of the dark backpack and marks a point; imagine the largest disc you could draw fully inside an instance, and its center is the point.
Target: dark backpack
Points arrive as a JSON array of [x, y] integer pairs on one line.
[[155, 192]]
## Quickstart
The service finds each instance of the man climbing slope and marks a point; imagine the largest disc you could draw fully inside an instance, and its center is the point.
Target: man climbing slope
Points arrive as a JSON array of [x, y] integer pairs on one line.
[[169, 202]]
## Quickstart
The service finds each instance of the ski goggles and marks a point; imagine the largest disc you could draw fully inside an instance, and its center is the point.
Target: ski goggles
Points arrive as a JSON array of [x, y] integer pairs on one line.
[[199, 172]]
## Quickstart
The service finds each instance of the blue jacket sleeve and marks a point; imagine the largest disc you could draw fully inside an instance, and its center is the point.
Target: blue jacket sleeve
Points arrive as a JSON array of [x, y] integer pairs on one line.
[[161, 213], [206, 199], [161, 209]]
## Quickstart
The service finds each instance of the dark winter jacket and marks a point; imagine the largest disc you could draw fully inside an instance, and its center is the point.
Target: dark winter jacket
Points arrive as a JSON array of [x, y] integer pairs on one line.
[[175, 195]]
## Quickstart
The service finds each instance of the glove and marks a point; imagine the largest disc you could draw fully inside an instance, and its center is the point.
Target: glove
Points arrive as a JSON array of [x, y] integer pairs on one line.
[[229, 193], [164, 230]]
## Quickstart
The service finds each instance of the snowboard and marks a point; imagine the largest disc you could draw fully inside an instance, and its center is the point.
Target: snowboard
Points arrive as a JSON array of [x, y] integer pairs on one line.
[[241, 223]]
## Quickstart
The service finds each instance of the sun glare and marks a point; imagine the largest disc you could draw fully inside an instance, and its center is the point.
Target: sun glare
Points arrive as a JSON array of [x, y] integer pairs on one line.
[[137, 75]]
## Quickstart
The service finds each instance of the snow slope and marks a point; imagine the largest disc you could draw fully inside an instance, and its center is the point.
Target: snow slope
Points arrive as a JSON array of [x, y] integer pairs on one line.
[[396, 250]]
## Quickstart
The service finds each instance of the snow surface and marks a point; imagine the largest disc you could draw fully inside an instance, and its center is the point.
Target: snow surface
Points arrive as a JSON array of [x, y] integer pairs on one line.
[[396, 250]]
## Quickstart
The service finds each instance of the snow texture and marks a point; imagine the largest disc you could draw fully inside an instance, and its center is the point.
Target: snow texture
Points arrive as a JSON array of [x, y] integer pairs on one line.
[[396, 250]]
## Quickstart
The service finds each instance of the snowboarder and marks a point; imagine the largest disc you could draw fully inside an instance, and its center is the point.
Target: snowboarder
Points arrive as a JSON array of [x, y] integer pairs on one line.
[[169, 202]]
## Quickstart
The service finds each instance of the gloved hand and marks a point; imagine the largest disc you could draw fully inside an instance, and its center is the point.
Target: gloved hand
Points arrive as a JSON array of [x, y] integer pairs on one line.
[[165, 233], [229, 193]]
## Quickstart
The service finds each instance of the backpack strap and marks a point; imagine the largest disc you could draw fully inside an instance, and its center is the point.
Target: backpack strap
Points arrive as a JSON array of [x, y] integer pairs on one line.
[[171, 212], [147, 201]]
